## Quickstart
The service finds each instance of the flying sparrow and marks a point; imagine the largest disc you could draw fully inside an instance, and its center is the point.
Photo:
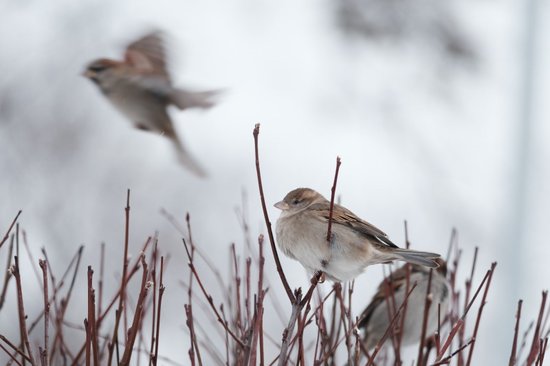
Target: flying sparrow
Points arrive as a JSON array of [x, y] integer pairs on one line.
[[140, 87], [354, 243], [377, 317]]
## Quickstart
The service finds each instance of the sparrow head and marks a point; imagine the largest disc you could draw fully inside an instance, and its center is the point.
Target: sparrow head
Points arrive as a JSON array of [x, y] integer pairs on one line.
[[299, 199], [100, 70]]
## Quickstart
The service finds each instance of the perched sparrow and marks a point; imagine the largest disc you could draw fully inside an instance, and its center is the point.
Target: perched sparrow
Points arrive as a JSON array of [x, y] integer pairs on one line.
[[140, 87], [354, 243], [376, 317]]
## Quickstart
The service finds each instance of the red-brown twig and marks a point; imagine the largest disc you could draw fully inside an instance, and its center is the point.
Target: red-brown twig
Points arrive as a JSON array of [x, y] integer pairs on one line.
[[7, 234], [194, 341], [11, 356], [399, 337], [533, 353], [154, 312], [480, 311], [542, 352], [438, 331], [88, 341], [351, 325], [257, 326], [321, 332], [122, 298], [172, 220], [318, 315], [391, 308], [193, 349], [21, 309], [101, 277], [7, 276], [58, 343], [287, 332], [343, 313], [105, 312], [468, 288], [242, 218], [302, 322], [209, 297], [248, 265], [332, 194], [61, 308], [261, 294], [161, 294], [513, 359], [17, 350], [238, 315], [333, 333], [427, 305], [226, 338], [192, 335], [447, 359], [524, 337], [91, 324], [138, 314], [31, 258], [389, 328], [44, 266], [460, 322], [267, 221]]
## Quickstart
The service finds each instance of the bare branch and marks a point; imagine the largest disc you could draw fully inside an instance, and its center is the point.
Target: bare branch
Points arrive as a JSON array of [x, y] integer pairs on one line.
[[267, 221], [7, 234], [513, 359], [21, 309], [332, 193]]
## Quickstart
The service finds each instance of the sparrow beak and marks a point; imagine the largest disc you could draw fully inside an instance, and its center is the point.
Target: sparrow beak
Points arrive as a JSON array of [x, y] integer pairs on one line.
[[282, 205], [88, 74]]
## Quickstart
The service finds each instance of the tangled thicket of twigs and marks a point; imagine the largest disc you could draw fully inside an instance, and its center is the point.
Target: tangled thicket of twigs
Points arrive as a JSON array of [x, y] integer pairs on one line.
[[321, 328]]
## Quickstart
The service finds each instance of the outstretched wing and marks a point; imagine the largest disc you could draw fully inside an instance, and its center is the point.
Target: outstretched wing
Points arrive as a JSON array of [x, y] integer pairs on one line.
[[148, 54]]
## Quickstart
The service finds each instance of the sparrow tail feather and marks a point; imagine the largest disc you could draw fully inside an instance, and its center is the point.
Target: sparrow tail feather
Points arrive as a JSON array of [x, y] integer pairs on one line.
[[416, 257], [185, 158], [184, 99]]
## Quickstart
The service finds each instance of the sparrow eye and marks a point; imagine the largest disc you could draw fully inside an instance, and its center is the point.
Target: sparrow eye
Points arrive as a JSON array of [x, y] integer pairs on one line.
[[295, 201], [97, 68]]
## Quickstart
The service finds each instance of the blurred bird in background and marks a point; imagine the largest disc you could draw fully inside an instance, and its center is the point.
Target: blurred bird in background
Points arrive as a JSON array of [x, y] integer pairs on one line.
[[429, 22], [376, 318], [140, 87]]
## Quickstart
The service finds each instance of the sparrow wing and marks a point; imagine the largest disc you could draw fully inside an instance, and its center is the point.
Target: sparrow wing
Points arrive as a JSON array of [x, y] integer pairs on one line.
[[343, 216], [387, 287], [148, 54]]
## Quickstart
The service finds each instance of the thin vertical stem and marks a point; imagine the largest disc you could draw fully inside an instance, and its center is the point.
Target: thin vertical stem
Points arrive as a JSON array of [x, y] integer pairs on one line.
[[7, 234], [332, 194], [479, 312], [266, 218], [513, 359], [161, 293], [43, 265], [123, 284], [21, 308]]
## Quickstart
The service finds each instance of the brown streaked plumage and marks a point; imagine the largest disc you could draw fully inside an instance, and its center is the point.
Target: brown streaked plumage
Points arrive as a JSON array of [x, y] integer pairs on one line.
[[355, 244], [140, 87], [376, 317]]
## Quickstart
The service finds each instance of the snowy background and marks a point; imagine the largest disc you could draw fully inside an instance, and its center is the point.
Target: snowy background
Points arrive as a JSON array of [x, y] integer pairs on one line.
[[437, 113]]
